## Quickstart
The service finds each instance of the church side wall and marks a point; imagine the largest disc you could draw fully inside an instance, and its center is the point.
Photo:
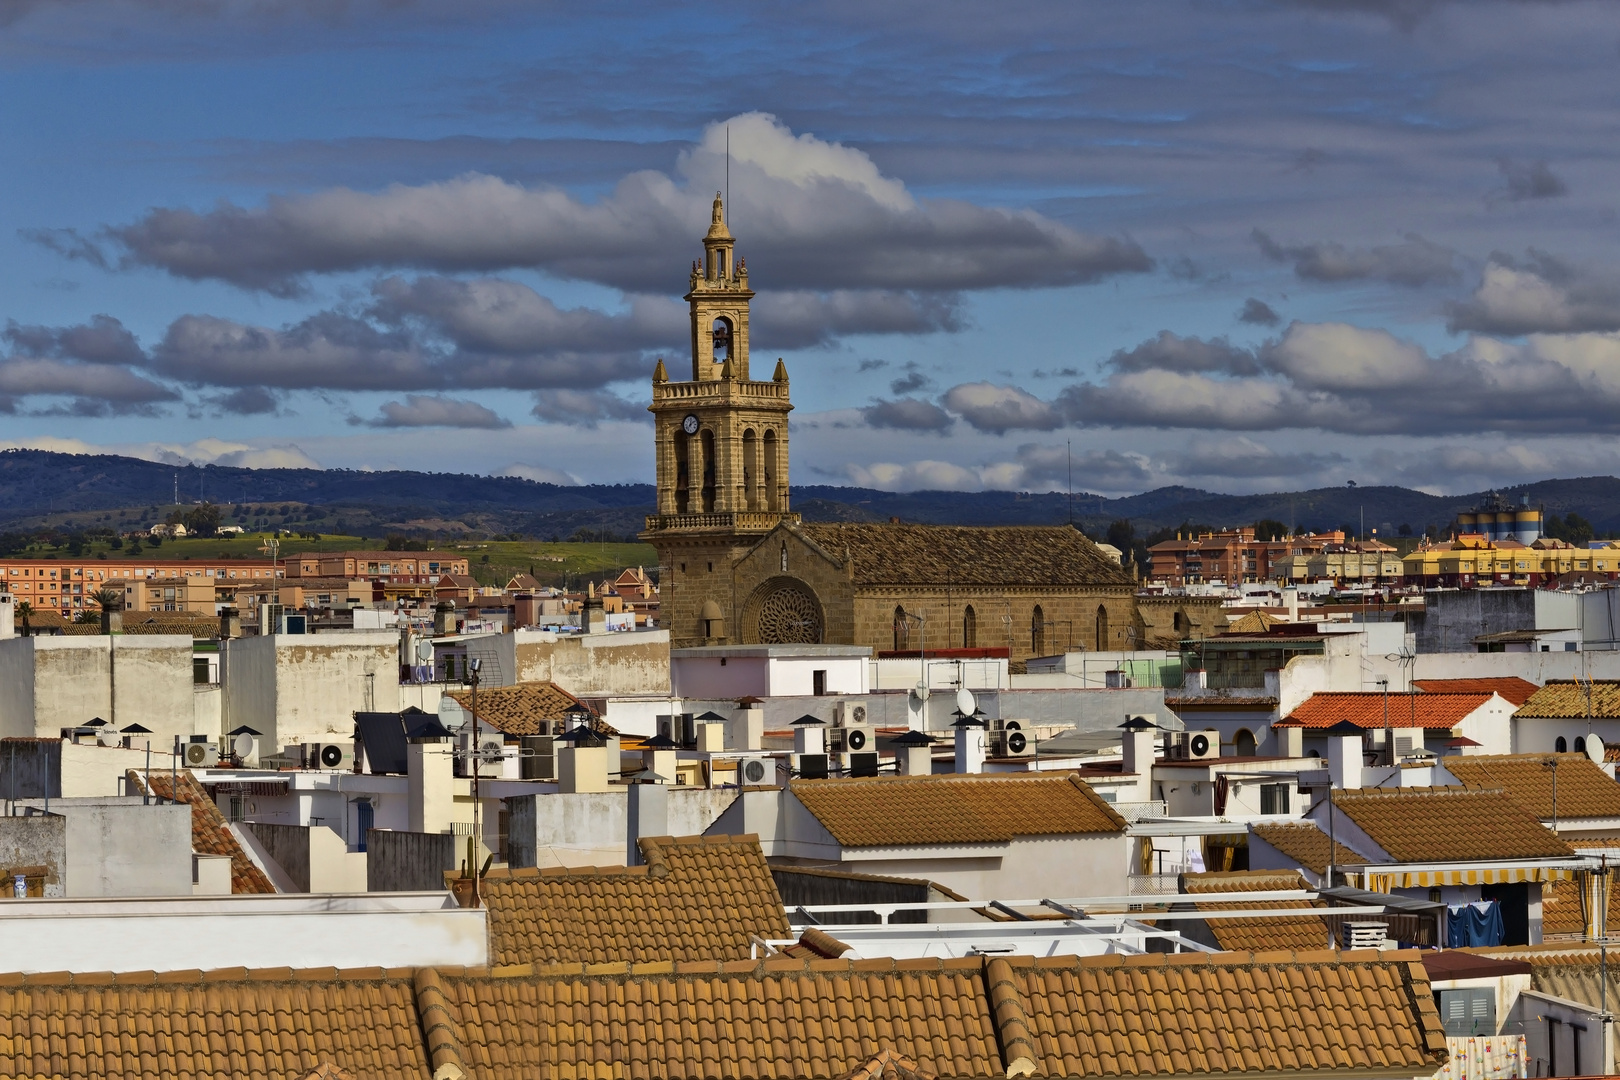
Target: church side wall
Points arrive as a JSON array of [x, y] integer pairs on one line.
[[1070, 615]]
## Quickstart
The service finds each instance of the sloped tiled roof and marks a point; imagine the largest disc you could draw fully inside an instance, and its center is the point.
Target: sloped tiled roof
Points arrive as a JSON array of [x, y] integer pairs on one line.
[[1437, 712], [518, 709], [1511, 687], [1255, 622], [1561, 909], [1200, 1014], [1448, 824], [1271, 932], [231, 1024], [1584, 789], [1306, 844], [1565, 699], [697, 898], [977, 809], [965, 555], [210, 834]]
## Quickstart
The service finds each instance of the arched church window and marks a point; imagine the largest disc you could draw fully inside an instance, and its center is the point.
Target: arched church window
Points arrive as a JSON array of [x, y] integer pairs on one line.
[[1037, 631], [970, 628], [902, 629], [722, 340], [1102, 628]]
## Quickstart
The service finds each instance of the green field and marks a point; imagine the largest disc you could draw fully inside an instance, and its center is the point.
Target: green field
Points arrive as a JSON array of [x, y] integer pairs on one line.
[[492, 562]]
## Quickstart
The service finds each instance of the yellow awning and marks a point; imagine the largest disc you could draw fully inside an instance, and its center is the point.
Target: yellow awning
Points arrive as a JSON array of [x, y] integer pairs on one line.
[[1384, 881]]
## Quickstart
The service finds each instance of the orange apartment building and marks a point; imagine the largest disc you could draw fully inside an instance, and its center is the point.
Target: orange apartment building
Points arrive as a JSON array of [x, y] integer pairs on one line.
[[1231, 556], [69, 586], [403, 567]]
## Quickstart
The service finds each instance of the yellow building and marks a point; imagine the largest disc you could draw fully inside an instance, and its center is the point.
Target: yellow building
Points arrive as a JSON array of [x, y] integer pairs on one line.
[[1472, 560]]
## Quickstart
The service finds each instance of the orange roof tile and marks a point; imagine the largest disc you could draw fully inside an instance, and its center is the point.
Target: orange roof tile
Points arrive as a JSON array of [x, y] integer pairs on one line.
[[1448, 824], [222, 1025], [522, 708], [1306, 844], [1430, 711], [1271, 932], [1511, 687], [1277, 1012], [1584, 789], [887, 1065], [210, 834], [697, 898], [977, 809], [880, 554], [1566, 699]]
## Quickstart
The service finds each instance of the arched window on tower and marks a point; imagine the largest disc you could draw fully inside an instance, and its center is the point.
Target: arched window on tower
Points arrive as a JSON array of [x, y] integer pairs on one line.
[[1037, 632], [768, 471], [1102, 628], [970, 628], [722, 340], [902, 629]]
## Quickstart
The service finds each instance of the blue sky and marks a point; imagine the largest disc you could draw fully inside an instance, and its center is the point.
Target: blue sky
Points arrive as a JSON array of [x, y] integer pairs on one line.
[[1237, 244]]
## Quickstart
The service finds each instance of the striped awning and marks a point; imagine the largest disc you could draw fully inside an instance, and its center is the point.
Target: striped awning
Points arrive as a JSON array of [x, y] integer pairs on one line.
[[1384, 880]]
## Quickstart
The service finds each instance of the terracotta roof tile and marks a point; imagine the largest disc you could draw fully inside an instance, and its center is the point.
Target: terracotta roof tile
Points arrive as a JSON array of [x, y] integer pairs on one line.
[[1441, 824], [1511, 687], [522, 708], [978, 809], [1565, 699], [1272, 932], [1277, 1012], [210, 834], [887, 1065], [783, 1018], [181, 1027], [1584, 789], [1365, 709], [1001, 555], [698, 898], [1306, 844]]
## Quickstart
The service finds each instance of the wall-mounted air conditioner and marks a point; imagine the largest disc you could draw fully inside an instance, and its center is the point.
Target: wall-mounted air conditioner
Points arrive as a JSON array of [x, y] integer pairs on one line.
[[1012, 742], [200, 755], [538, 757], [849, 714], [1195, 745], [757, 772], [853, 739], [328, 756], [810, 766]]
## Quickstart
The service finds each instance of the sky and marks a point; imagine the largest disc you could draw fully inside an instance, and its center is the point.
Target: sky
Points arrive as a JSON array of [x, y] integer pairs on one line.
[[1241, 245]]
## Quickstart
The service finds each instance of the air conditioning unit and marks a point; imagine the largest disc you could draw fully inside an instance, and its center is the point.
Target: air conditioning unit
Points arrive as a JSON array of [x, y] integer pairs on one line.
[[756, 772], [538, 757], [811, 766], [328, 756], [1011, 742], [1196, 745], [490, 759], [200, 755], [854, 739], [849, 714]]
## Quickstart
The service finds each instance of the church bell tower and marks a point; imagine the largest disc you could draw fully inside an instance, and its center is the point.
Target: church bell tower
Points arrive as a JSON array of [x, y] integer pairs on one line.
[[722, 451]]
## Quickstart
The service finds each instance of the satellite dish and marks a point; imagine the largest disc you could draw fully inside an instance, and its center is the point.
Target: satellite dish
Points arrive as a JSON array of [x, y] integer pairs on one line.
[[920, 691], [109, 737], [451, 715], [1594, 748], [965, 702], [243, 746], [424, 651]]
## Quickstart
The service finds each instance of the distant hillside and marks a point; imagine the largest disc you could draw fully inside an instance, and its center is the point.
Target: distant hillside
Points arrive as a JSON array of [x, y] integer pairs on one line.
[[40, 489]]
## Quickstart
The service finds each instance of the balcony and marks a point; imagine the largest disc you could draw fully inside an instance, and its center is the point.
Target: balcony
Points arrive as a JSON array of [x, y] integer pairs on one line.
[[740, 521], [718, 390]]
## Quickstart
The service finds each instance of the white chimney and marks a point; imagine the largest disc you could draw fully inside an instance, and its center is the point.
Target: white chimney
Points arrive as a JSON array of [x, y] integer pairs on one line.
[[746, 731], [647, 814], [970, 740], [582, 769], [809, 735], [1291, 602], [1290, 741], [1345, 760], [1141, 736], [431, 780]]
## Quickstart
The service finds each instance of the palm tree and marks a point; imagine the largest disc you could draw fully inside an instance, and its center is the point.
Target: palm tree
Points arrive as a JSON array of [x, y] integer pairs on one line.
[[111, 602], [24, 610]]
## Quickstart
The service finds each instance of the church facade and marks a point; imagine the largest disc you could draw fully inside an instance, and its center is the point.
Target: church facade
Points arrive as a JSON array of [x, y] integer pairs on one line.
[[737, 566]]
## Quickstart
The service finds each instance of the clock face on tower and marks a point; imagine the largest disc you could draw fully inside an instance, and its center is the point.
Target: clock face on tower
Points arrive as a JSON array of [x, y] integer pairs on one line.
[[690, 424]]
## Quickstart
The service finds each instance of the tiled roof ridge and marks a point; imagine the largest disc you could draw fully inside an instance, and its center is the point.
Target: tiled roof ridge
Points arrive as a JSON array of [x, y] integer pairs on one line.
[[196, 975], [902, 779], [1106, 808], [1012, 1023], [653, 848], [777, 966], [886, 1064], [441, 1031], [1452, 790]]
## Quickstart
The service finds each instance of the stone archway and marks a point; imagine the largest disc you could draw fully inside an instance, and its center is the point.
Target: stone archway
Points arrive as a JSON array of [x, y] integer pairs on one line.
[[783, 611]]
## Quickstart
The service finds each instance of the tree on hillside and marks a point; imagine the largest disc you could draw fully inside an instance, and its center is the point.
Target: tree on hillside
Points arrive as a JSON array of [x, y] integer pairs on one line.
[[1267, 529], [1571, 528], [202, 520]]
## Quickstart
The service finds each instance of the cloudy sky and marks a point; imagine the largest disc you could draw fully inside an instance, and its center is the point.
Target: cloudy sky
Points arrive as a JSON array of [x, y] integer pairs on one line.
[[1237, 244]]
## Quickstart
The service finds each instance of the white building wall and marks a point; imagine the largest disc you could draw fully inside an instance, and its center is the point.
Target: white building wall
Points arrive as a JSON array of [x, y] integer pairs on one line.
[[17, 687], [1026, 868]]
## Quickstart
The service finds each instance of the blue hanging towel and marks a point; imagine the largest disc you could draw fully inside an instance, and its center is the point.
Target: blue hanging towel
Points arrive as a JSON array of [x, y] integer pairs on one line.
[[1474, 924]]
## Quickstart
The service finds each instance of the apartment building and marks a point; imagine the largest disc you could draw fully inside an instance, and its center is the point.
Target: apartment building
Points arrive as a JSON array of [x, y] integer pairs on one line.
[[1231, 556], [69, 586], [415, 568]]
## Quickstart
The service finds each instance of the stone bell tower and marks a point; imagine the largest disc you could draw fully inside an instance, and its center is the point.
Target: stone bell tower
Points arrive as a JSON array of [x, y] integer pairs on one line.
[[722, 451]]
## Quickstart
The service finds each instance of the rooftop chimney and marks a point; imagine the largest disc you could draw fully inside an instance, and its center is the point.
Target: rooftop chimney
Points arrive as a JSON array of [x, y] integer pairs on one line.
[[646, 815], [970, 740], [444, 618], [430, 787], [595, 619], [230, 623], [746, 731], [1345, 755]]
